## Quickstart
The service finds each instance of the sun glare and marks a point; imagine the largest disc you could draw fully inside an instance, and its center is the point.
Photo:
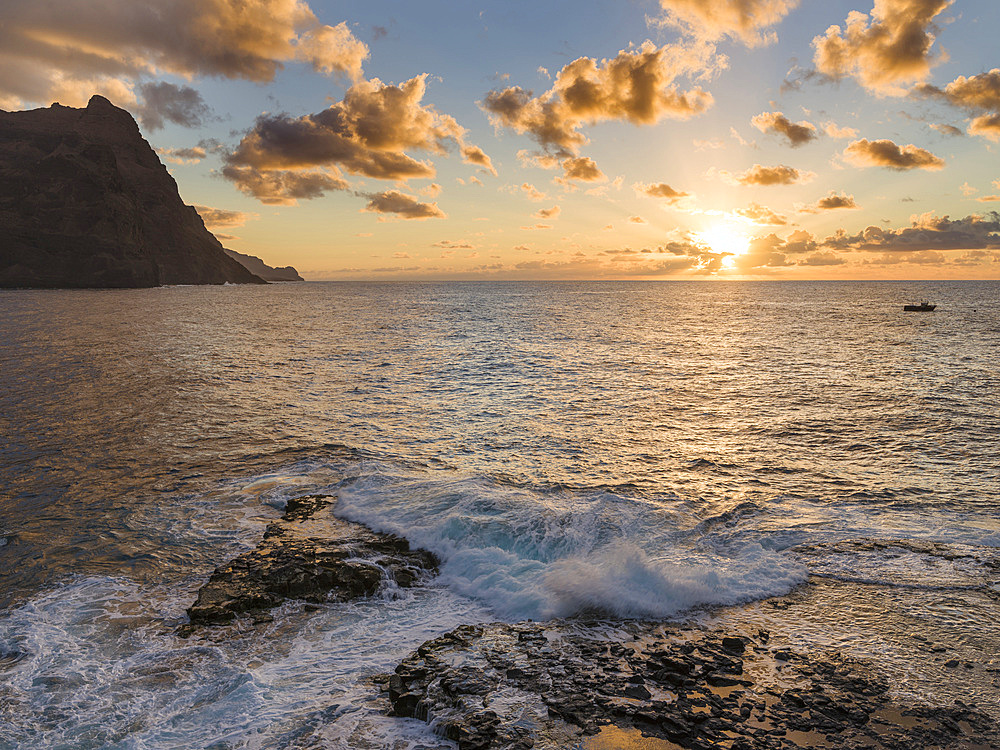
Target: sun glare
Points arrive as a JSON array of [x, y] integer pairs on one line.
[[725, 239]]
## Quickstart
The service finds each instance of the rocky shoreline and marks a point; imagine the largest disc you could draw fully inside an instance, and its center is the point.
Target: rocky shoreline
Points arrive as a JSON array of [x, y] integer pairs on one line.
[[589, 684], [602, 684], [312, 555]]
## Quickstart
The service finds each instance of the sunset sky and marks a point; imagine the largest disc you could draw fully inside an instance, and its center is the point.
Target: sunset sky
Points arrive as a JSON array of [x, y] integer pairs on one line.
[[786, 139]]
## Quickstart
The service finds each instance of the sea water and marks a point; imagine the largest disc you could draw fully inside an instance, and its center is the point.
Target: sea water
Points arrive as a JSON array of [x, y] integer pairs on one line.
[[803, 455]]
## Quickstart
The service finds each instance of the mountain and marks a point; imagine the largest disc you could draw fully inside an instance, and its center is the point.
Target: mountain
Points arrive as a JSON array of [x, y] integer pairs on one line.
[[85, 202], [258, 267]]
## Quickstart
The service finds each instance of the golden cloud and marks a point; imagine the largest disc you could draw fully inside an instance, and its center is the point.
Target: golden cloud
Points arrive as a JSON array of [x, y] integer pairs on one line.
[[191, 155], [885, 153], [883, 49], [979, 94], [582, 168], [766, 176], [636, 86], [67, 51], [403, 205], [759, 214], [475, 155], [548, 213], [746, 20], [987, 126], [797, 133], [220, 217], [829, 202], [659, 190]]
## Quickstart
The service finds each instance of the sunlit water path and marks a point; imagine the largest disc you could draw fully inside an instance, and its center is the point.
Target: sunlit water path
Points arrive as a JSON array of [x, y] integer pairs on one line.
[[636, 449]]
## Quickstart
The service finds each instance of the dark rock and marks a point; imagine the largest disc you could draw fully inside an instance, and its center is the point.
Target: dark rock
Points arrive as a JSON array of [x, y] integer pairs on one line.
[[85, 202], [482, 685], [734, 645], [311, 555]]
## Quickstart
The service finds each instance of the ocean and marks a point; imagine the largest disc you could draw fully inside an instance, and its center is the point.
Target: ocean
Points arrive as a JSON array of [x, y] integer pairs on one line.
[[801, 454]]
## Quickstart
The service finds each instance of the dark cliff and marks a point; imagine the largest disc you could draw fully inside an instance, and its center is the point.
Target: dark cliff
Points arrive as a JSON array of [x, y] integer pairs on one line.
[[269, 273], [85, 202]]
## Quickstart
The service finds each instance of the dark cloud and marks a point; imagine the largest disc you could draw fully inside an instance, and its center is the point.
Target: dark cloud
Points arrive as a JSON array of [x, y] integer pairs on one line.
[[885, 153], [637, 86], [282, 187], [945, 129], [403, 205], [68, 50], [797, 133], [926, 232], [181, 105], [368, 134], [548, 213], [889, 46]]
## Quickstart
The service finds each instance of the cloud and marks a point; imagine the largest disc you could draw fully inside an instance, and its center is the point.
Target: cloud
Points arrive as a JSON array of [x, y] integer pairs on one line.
[[987, 126], [883, 49], [967, 189], [659, 190], [548, 213], [926, 232], [945, 129], [830, 202], [761, 215], [532, 192], [636, 86], [637, 220], [704, 145], [283, 187], [979, 94], [835, 131], [745, 20], [988, 198], [583, 169], [885, 153], [826, 258], [449, 245], [765, 176], [431, 191], [191, 155], [797, 133], [367, 134], [475, 155], [403, 205], [181, 105], [221, 217], [69, 50]]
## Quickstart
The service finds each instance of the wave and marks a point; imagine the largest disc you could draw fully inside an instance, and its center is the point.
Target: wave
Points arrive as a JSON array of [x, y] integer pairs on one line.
[[539, 555]]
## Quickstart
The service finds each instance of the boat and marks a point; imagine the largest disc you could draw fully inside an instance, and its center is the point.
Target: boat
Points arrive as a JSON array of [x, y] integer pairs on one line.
[[922, 307]]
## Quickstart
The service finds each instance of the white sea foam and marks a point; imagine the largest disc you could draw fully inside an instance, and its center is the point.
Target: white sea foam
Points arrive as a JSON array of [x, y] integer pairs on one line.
[[538, 555]]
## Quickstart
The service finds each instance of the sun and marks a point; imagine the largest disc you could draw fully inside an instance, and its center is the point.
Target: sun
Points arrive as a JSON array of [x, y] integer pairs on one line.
[[723, 238]]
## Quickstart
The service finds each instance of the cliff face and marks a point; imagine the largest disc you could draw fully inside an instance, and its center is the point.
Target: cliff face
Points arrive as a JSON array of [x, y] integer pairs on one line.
[[85, 202], [258, 267]]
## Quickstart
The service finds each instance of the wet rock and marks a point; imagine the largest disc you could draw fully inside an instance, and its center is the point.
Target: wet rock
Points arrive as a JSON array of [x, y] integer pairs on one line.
[[310, 555], [512, 685]]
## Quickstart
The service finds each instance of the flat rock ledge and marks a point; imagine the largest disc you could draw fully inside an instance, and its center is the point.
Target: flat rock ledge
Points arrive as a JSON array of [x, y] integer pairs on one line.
[[600, 685], [311, 555]]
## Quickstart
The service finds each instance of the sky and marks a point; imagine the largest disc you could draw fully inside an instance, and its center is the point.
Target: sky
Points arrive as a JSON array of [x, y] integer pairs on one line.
[[639, 139]]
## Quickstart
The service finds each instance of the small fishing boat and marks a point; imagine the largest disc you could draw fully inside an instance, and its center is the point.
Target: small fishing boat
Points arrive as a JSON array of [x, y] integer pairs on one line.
[[922, 307]]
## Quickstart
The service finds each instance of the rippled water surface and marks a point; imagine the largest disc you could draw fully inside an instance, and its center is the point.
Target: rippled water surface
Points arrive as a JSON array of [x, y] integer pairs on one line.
[[635, 449]]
